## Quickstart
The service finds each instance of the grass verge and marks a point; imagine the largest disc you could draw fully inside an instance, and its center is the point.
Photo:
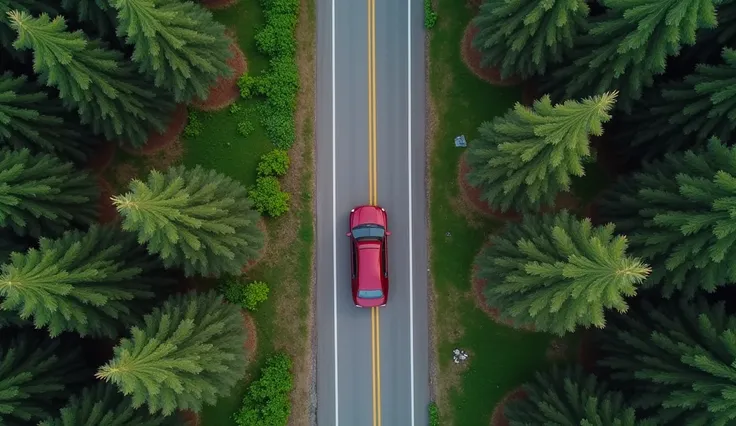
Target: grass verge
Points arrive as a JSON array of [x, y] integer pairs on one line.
[[500, 358]]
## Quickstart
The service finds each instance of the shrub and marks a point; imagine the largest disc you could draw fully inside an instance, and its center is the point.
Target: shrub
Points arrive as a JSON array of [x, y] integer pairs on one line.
[[430, 16], [249, 296], [274, 163], [246, 84], [434, 414], [245, 128], [235, 108], [194, 125], [267, 402], [268, 198]]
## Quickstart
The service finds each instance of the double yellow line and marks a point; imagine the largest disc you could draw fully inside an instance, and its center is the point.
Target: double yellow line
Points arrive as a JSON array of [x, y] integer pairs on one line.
[[373, 200]]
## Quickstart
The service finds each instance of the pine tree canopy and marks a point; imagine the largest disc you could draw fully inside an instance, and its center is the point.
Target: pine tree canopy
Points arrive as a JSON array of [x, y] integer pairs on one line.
[[99, 83], [567, 396], [177, 43], [9, 242], [679, 360], [87, 282], [188, 353], [39, 194], [34, 374], [558, 272], [196, 219], [97, 12], [522, 36], [525, 158], [30, 119], [680, 217], [625, 48], [103, 405], [7, 34]]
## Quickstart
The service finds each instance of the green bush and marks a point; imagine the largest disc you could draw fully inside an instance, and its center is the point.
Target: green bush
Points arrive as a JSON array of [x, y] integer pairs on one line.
[[268, 198], [434, 414], [245, 128], [267, 402], [247, 83], [235, 108], [430, 16], [249, 296], [274, 163], [194, 124]]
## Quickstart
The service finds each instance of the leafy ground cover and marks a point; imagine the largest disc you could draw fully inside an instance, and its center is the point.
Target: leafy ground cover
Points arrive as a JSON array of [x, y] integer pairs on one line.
[[500, 358]]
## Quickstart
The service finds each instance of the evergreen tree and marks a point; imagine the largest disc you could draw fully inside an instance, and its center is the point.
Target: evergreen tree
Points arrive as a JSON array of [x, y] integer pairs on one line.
[[625, 48], [7, 34], [557, 272], [30, 119], [567, 396], [99, 13], [188, 353], [525, 158], [88, 282], [196, 219], [521, 37], [103, 405], [678, 360], [39, 194], [98, 82], [178, 44], [9, 243], [687, 113], [680, 217], [34, 374]]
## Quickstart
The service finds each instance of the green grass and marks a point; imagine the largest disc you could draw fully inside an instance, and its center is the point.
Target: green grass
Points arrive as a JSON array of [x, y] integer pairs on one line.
[[501, 358]]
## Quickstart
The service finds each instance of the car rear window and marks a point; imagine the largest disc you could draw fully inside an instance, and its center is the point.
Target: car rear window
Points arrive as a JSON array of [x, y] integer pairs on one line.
[[370, 294], [368, 232]]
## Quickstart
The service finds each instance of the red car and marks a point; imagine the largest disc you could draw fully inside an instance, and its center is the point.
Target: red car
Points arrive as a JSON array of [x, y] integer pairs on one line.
[[369, 256]]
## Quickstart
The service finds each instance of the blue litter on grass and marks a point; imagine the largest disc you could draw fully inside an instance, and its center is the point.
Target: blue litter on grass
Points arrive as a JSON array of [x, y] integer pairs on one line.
[[460, 141]]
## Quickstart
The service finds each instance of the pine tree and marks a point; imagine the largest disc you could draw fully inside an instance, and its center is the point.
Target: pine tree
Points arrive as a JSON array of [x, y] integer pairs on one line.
[[34, 374], [7, 34], [680, 217], [29, 118], [103, 405], [9, 242], [521, 37], [195, 219], [557, 273], [178, 44], [679, 360], [99, 13], [525, 158], [625, 48], [88, 282], [98, 82], [39, 194], [570, 397], [188, 353]]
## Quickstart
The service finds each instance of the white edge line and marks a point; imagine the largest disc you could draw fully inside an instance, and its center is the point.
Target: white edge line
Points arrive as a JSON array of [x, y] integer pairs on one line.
[[334, 214], [411, 214]]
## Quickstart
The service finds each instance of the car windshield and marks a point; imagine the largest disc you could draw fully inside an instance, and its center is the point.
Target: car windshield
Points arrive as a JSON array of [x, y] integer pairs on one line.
[[370, 294], [373, 232]]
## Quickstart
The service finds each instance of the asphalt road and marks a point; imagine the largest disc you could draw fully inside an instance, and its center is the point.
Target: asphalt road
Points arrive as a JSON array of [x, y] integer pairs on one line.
[[372, 364]]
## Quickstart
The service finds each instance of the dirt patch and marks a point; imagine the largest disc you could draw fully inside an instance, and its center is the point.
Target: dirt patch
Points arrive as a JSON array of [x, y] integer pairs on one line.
[[217, 4], [225, 90], [480, 301], [189, 418], [107, 211], [606, 157], [474, 5], [251, 263], [158, 141], [556, 350], [102, 157], [472, 59], [588, 352], [530, 93], [251, 337], [498, 418], [472, 195]]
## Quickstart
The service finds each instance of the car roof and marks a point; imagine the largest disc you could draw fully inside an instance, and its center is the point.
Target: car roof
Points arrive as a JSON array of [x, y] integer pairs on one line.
[[369, 265]]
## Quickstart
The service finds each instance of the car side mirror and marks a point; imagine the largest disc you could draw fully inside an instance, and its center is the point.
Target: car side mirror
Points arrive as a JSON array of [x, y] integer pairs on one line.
[[348, 234], [388, 233]]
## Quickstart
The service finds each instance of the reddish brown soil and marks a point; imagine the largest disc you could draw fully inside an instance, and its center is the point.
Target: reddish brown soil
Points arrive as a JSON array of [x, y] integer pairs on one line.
[[225, 90], [189, 418], [251, 337], [498, 418], [474, 5], [158, 141], [102, 157], [588, 353], [472, 59], [472, 195], [529, 93], [480, 301], [108, 212], [251, 263], [217, 4]]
